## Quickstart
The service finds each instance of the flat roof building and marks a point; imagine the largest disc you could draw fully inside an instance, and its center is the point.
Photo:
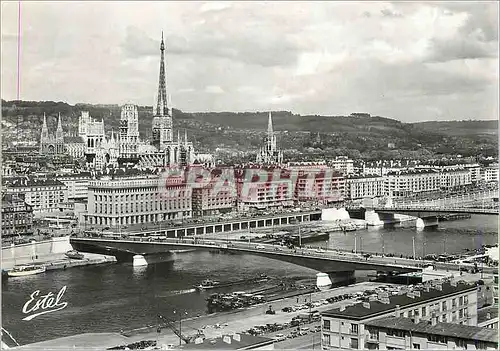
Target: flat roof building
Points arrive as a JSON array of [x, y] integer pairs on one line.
[[405, 334], [449, 301], [233, 342]]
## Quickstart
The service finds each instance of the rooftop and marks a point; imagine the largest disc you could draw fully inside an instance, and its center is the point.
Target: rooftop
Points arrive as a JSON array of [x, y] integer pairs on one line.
[[414, 172], [245, 341], [482, 314], [362, 176], [444, 329], [22, 182], [73, 139], [359, 312], [98, 341]]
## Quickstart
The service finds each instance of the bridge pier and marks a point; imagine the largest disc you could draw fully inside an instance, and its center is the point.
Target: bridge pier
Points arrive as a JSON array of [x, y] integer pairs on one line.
[[339, 278], [373, 218], [430, 221]]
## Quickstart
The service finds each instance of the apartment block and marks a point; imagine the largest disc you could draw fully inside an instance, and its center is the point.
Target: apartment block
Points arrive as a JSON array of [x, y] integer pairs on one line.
[[447, 301], [396, 333], [42, 194], [361, 186]]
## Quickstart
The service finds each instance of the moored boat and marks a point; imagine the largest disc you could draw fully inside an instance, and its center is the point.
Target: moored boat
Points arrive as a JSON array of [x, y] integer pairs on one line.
[[74, 255], [207, 284], [349, 227], [23, 270]]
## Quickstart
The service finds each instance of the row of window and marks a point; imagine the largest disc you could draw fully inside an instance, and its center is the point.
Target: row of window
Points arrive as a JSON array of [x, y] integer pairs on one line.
[[151, 206]]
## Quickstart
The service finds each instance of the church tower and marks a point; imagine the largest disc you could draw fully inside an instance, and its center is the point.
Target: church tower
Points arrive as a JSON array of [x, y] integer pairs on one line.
[[59, 137], [162, 119], [269, 153], [44, 137]]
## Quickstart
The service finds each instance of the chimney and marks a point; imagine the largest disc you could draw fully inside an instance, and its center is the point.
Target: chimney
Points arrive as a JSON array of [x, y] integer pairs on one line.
[[237, 337], [488, 315], [453, 283], [397, 311], [227, 339], [342, 308], [366, 305]]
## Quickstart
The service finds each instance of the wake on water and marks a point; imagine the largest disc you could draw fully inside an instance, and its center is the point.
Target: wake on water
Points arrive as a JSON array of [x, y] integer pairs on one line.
[[177, 292]]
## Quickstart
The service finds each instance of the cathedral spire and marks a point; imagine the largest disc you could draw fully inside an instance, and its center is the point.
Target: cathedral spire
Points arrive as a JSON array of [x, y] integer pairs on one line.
[[161, 103], [45, 129], [270, 124], [59, 125]]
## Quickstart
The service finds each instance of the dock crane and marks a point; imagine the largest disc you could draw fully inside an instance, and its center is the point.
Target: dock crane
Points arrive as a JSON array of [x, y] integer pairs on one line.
[[177, 331]]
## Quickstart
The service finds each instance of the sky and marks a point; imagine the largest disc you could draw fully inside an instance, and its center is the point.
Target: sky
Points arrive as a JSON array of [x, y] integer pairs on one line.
[[412, 61]]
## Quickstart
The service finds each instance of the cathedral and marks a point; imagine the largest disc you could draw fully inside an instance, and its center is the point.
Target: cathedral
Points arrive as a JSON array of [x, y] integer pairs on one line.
[[166, 151], [126, 148], [269, 153], [52, 144]]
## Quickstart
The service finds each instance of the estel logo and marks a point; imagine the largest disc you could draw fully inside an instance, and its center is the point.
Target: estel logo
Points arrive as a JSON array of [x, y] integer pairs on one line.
[[47, 303]]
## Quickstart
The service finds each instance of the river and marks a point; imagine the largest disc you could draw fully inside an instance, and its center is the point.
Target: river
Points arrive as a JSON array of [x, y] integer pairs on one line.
[[118, 296]]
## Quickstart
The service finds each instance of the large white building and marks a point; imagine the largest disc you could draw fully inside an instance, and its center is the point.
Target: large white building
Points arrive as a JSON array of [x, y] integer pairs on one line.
[[129, 196], [455, 178], [361, 186], [77, 184], [489, 174], [342, 164], [409, 182]]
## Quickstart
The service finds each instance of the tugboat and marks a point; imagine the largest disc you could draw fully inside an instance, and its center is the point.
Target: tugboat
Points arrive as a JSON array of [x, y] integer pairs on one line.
[[207, 284], [74, 255], [23, 270]]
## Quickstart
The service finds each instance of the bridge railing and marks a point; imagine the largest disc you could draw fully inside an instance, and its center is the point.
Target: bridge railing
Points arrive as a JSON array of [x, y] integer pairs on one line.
[[346, 256]]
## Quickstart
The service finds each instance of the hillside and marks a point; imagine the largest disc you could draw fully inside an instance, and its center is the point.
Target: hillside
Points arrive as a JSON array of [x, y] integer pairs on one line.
[[301, 136], [456, 128]]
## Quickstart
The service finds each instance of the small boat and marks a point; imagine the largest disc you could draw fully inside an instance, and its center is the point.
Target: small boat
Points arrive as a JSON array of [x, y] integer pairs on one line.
[[22, 270], [74, 255], [207, 284], [349, 227]]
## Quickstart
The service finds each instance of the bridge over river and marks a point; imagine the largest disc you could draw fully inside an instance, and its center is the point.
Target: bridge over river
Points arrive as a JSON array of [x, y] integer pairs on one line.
[[328, 261]]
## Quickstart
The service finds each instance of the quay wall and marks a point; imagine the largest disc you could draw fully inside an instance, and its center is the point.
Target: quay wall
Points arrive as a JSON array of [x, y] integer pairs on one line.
[[40, 248]]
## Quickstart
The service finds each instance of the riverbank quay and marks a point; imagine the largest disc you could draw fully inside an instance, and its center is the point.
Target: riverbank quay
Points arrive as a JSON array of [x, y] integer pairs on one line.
[[240, 320], [50, 253], [58, 261], [213, 325]]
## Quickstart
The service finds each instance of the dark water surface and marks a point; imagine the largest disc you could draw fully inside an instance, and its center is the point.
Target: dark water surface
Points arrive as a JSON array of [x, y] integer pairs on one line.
[[118, 296]]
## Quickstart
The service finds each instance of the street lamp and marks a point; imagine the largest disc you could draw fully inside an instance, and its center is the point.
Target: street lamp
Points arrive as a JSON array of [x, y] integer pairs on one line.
[[355, 246], [383, 245], [413, 245]]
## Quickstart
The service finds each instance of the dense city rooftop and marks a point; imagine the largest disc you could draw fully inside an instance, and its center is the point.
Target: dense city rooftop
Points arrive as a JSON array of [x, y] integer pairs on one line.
[[445, 329], [358, 311]]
